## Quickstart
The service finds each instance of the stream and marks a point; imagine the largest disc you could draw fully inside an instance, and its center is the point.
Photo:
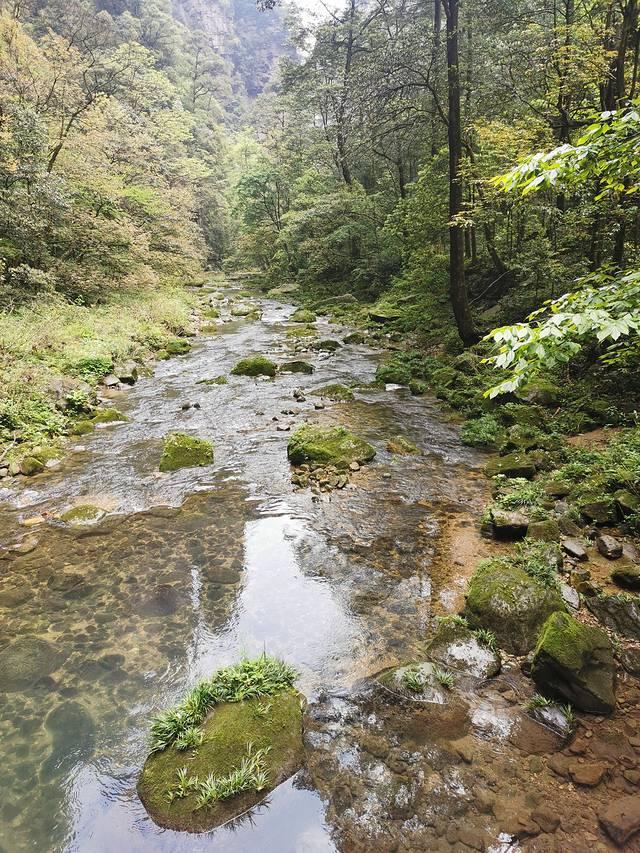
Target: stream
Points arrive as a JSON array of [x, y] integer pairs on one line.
[[105, 625]]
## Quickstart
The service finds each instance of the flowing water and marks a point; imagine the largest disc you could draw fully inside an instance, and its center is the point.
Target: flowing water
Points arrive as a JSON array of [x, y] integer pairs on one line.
[[104, 625]]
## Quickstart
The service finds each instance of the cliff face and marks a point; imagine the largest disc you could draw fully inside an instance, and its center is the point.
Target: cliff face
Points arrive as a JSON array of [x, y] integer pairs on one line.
[[251, 41]]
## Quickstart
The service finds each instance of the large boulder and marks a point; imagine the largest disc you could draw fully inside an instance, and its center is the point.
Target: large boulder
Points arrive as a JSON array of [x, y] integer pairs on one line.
[[574, 662], [457, 647], [302, 315], [504, 599], [184, 451], [328, 446], [255, 365], [513, 465]]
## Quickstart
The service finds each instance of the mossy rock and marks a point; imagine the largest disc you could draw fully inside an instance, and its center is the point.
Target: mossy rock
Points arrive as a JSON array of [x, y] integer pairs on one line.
[[227, 731], [574, 662], [336, 392], [418, 387], [83, 427], [384, 315], [357, 338], [302, 332], [211, 314], [219, 380], [326, 346], [456, 646], [504, 599], [184, 451], [302, 315], [393, 373], [598, 508], [401, 446], [297, 367], [31, 465], [513, 465], [243, 310], [627, 576], [328, 446], [84, 514], [208, 330], [255, 365], [177, 346], [108, 416], [541, 393], [163, 355]]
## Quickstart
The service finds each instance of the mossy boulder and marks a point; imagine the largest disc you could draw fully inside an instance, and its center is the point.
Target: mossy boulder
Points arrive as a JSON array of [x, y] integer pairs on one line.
[[418, 387], [574, 662], [211, 314], [108, 416], [513, 465], [30, 466], [302, 315], [82, 427], [301, 332], [456, 647], [384, 314], [393, 373], [336, 392], [357, 338], [541, 393], [627, 576], [84, 514], [336, 446], [297, 367], [177, 346], [504, 599], [242, 309], [272, 723], [185, 451], [326, 346], [401, 446], [255, 365]]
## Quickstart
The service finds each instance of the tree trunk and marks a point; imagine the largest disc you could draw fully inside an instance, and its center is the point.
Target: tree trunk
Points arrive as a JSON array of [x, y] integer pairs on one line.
[[457, 282]]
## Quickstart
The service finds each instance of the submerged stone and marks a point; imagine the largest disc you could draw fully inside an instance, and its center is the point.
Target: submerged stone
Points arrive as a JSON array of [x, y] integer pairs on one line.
[[26, 660], [108, 416], [73, 735], [401, 446], [297, 367], [456, 646], [184, 451], [83, 514], [256, 365], [574, 662], [336, 392], [507, 601], [273, 723], [328, 446], [219, 380]]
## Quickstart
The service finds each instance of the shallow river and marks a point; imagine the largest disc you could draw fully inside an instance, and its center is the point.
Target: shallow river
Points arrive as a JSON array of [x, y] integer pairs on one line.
[[188, 571]]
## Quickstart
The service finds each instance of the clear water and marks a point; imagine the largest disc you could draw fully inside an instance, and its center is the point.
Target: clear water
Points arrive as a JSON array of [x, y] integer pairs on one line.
[[103, 626]]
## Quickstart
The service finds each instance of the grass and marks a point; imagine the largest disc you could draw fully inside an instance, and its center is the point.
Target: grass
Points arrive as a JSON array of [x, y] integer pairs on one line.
[[191, 738], [249, 679], [445, 679], [538, 701], [487, 639], [452, 619], [413, 679]]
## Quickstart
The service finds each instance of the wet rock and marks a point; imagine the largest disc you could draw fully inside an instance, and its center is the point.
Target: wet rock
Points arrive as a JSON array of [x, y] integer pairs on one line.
[[619, 613], [546, 818], [401, 446], [127, 373], [620, 819], [326, 346], [504, 599], [297, 367], [25, 661], [555, 718], [609, 547], [587, 775], [83, 514], [110, 380], [575, 549], [355, 338], [508, 525], [417, 681], [574, 662], [627, 576], [513, 465], [177, 346], [14, 596], [163, 601], [218, 380], [256, 365], [302, 315], [184, 451], [328, 446], [457, 647], [108, 416], [336, 392], [242, 309]]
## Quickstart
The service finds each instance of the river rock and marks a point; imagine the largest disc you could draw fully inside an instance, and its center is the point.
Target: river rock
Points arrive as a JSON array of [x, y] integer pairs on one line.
[[609, 547], [507, 601], [627, 576], [509, 525], [83, 514], [621, 818], [184, 451], [228, 731], [26, 660], [127, 373], [302, 315], [297, 367], [575, 549], [30, 465], [574, 662], [255, 365], [73, 735], [177, 346], [326, 346], [328, 446], [619, 613], [401, 446], [513, 465], [456, 647], [335, 392], [355, 338], [163, 601], [110, 380]]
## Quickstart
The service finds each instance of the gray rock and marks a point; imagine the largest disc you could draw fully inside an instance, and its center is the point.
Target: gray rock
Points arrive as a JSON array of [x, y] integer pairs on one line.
[[457, 647], [26, 660], [111, 380], [509, 525], [574, 548], [570, 596], [619, 613], [127, 373], [609, 547]]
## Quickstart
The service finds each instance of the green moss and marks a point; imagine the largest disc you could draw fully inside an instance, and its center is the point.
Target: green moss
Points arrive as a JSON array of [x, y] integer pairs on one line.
[[297, 367], [328, 446], [256, 365], [302, 315], [401, 446], [163, 355], [219, 380], [211, 313], [83, 514], [108, 416], [208, 330], [336, 392], [513, 465], [393, 372], [273, 723], [30, 465], [177, 346], [83, 427], [482, 432], [302, 332], [567, 641], [418, 387], [184, 451]]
